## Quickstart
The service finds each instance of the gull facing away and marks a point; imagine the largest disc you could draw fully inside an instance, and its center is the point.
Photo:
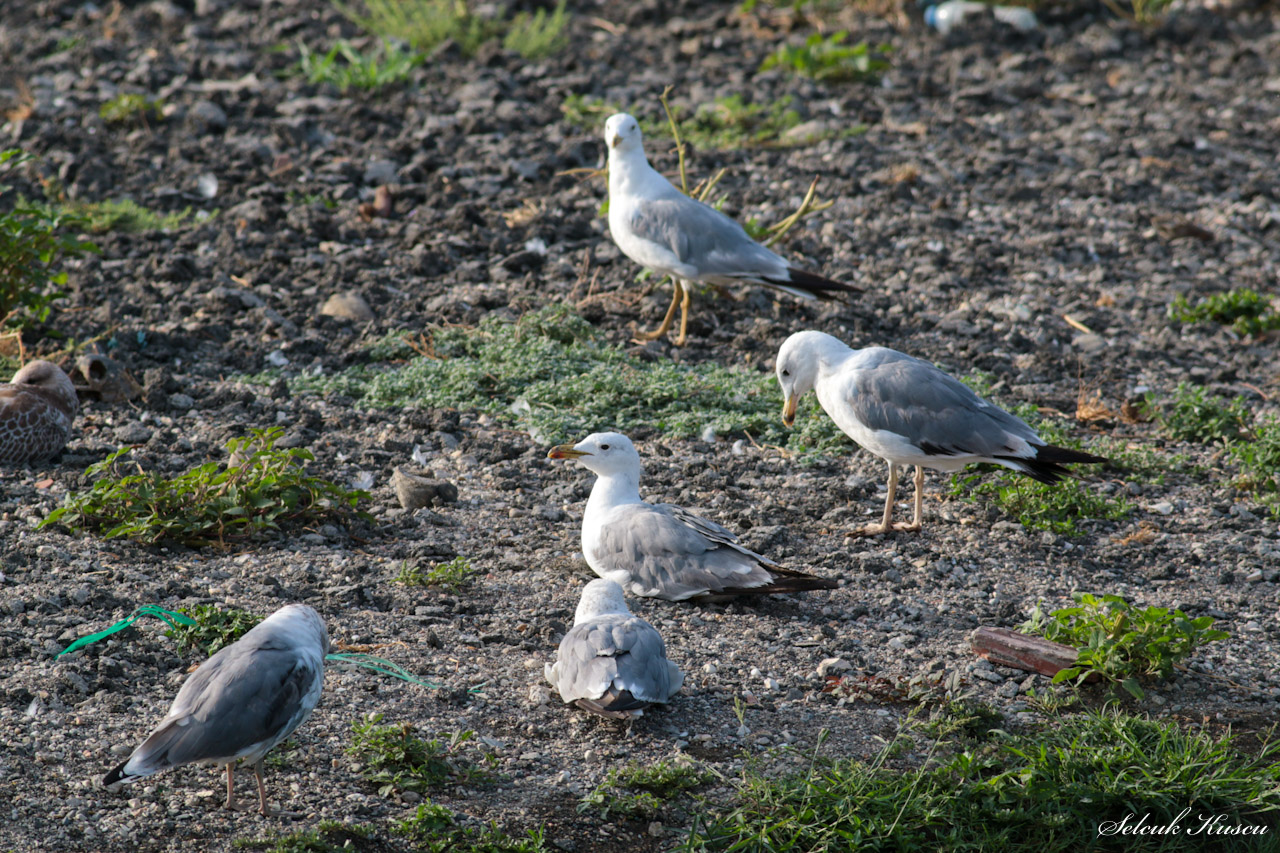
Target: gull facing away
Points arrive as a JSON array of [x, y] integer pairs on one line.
[[611, 662], [661, 228], [240, 703], [660, 550], [908, 412], [36, 412]]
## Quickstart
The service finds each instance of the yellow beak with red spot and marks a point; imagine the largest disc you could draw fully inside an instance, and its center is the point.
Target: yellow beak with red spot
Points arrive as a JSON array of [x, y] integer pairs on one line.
[[565, 451], [789, 411]]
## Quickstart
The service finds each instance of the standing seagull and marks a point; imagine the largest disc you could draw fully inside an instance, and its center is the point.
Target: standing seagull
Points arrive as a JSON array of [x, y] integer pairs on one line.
[[661, 228], [241, 702], [612, 663], [36, 411], [660, 550], [908, 412]]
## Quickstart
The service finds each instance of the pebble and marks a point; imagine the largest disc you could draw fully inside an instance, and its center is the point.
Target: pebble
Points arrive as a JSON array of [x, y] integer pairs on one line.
[[133, 434], [181, 402], [415, 491], [833, 665], [206, 117], [1162, 508], [349, 305]]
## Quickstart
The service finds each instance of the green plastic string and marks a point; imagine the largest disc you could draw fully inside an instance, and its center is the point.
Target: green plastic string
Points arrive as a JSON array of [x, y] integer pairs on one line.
[[383, 666], [174, 619]]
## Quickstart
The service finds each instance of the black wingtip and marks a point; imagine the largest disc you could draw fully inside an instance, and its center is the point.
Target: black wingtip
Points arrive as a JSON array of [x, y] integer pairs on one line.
[[1047, 466], [115, 776], [783, 581], [819, 286]]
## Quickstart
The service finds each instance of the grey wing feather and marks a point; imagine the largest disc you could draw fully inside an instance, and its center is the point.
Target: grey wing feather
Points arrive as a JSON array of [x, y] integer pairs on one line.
[[933, 410], [230, 706], [705, 238], [622, 655], [673, 554]]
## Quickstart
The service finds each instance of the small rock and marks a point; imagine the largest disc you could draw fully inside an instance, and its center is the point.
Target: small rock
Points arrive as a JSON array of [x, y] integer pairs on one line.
[[415, 492], [133, 434], [181, 402], [1254, 576], [206, 117], [380, 172], [1089, 343], [347, 306], [410, 797], [1162, 508], [833, 665]]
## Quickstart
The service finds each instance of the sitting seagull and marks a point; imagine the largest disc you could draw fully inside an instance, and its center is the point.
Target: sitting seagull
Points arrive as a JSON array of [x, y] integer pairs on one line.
[[612, 663], [661, 228], [36, 411], [908, 412], [241, 702], [660, 550]]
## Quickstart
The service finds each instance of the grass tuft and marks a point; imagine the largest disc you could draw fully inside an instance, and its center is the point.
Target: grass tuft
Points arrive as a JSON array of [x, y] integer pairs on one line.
[[433, 829], [329, 836], [641, 791], [260, 490], [396, 759], [131, 108], [1045, 791], [213, 630], [425, 24], [1120, 642], [453, 575], [828, 58], [1245, 310], [345, 67]]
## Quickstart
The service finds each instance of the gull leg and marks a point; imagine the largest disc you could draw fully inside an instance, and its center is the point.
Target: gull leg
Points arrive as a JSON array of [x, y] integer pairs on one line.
[[262, 791], [666, 321], [684, 316], [919, 504], [231, 790], [884, 525]]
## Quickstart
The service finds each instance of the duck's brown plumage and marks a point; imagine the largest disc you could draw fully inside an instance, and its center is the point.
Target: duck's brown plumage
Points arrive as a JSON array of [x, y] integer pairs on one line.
[[36, 412]]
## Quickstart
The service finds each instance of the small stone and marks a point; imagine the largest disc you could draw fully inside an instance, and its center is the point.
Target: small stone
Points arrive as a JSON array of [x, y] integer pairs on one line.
[[1254, 576], [656, 829], [410, 797], [206, 117], [709, 668], [415, 492], [1162, 508], [347, 306], [829, 666], [1089, 343], [133, 434], [1008, 690], [380, 172]]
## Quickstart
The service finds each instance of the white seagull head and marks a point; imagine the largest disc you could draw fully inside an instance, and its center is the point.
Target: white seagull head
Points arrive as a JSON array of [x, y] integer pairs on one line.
[[799, 360], [607, 454], [622, 135], [601, 597]]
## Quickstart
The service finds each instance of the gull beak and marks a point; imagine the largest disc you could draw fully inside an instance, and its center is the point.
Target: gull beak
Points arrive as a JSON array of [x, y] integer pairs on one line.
[[613, 143], [565, 451], [789, 411]]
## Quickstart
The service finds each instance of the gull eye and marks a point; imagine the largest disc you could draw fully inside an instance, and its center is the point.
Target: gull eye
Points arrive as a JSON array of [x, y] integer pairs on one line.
[[786, 373], [604, 447]]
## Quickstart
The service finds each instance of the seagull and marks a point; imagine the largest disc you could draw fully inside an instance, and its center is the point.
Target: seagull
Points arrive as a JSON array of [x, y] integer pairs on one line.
[[611, 662], [660, 550], [908, 412], [659, 227], [36, 412], [240, 703]]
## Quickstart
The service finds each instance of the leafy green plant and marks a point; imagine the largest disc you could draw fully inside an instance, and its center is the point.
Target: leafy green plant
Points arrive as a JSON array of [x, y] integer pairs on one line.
[[641, 790], [1142, 11], [131, 108], [828, 58], [261, 489], [555, 375], [433, 829], [1247, 311], [32, 246], [345, 67], [1039, 791], [1193, 414], [395, 759], [213, 630], [428, 23], [1120, 642], [454, 575], [1056, 507]]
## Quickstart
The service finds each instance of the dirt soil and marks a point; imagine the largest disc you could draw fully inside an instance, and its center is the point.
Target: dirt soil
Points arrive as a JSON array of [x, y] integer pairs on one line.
[[1091, 168]]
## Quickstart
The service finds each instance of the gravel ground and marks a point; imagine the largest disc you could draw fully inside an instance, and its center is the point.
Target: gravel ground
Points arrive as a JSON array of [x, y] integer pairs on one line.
[[1005, 181]]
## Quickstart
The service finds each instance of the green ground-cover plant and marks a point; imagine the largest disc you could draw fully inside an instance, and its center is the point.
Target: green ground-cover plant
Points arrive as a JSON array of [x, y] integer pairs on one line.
[[396, 759], [828, 58], [642, 790], [433, 829], [1120, 642], [1041, 791], [555, 375], [452, 575], [345, 67], [425, 24], [1245, 310], [261, 490], [1192, 413], [131, 108], [124, 215], [329, 836], [33, 243], [213, 630]]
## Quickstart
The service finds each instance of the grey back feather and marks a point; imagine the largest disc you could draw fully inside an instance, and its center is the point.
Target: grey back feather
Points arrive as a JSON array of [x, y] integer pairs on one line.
[[671, 553], [615, 654], [912, 398], [704, 237]]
